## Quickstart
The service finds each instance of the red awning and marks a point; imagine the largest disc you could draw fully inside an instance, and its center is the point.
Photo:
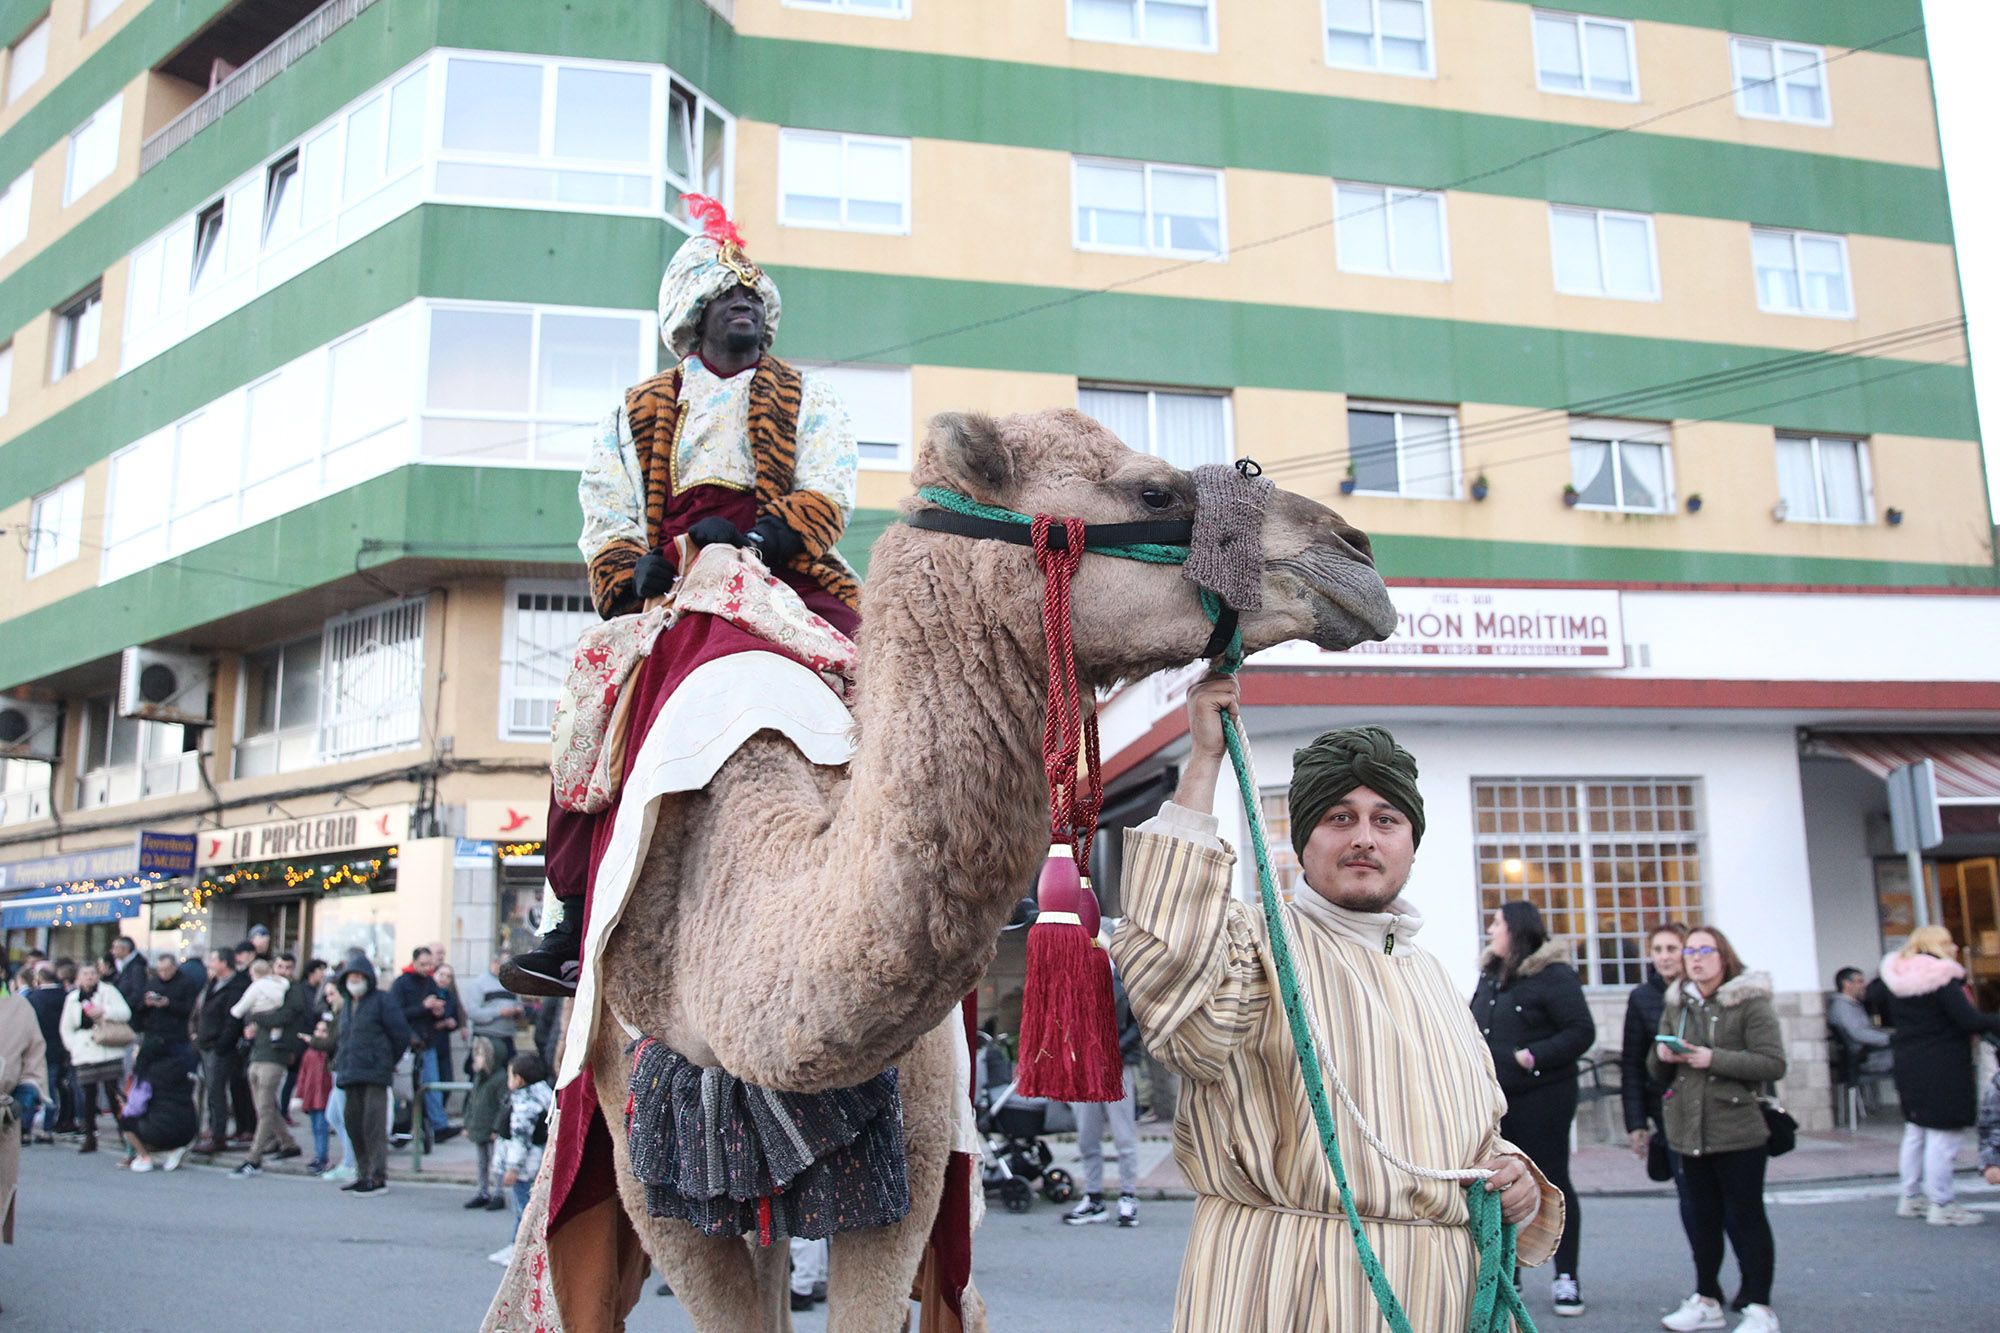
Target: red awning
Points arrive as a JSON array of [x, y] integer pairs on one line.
[[1968, 767]]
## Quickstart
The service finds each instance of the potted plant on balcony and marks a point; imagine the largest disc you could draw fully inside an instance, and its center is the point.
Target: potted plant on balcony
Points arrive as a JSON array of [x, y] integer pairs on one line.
[[1480, 487], [1694, 503], [1570, 497], [1347, 483]]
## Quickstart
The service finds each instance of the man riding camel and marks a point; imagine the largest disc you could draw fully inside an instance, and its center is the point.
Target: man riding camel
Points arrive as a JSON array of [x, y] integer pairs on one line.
[[726, 445]]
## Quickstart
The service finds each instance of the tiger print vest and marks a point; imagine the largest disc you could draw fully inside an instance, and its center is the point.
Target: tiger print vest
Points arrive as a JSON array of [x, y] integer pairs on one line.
[[653, 413]]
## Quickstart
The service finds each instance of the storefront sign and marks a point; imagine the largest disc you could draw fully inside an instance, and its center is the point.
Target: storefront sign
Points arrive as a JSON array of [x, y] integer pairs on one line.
[[151, 853], [340, 831], [507, 821], [89, 911], [1508, 629], [166, 853]]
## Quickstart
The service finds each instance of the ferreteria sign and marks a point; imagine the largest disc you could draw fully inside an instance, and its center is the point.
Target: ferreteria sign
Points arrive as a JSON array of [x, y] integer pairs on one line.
[[340, 831], [1507, 629]]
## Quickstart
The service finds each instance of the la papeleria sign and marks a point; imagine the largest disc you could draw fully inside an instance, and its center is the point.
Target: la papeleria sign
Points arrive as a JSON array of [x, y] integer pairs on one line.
[[1505, 629], [340, 831]]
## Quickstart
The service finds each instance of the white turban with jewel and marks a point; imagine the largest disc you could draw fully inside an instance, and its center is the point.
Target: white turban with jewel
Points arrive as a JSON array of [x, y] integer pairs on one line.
[[706, 266]]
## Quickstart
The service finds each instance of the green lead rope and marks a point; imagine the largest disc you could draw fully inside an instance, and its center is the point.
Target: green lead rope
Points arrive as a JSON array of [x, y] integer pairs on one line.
[[1496, 1306]]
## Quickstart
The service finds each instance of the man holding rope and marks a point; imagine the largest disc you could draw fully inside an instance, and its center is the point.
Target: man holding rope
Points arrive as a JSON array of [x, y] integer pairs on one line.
[[1270, 1246]]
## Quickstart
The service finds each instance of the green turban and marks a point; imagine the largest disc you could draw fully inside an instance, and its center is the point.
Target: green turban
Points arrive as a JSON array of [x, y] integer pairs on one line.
[[1340, 761]]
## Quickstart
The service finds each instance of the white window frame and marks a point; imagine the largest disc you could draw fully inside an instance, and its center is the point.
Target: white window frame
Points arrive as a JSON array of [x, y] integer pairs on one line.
[[1580, 22], [115, 110], [273, 740], [1400, 410], [1603, 290], [1077, 162], [55, 538], [1140, 7], [37, 33], [1615, 435], [905, 441], [16, 207], [1797, 238], [396, 724], [1862, 460], [511, 690], [1429, 71], [1150, 446], [66, 330], [854, 8], [1390, 195], [845, 141], [1777, 49], [25, 789], [150, 778]]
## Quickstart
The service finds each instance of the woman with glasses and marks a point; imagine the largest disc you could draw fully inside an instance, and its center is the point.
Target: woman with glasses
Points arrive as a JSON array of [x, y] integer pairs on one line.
[[1719, 1044]]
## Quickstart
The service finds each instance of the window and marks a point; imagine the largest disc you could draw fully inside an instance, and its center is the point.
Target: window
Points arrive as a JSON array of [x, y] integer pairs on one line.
[[27, 60], [1822, 480], [1286, 872], [24, 790], [6, 378], [543, 622], [278, 721], [699, 134], [1801, 273], [545, 133], [1393, 36], [385, 138], [281, 201], [1183, 23], [1780, 81], [1620, 465], [1604, 860], [515, 382], [93, 151], [372, 681], [1587, 57], [14, 206], [1186, 429], [99, 11], [877, 399], [127, 760], [1601, 253], [1406, 451], [55, 527], [1144, 208], [1382, 229], [207, 245], [888, 9], [75, 333], [850, 182]]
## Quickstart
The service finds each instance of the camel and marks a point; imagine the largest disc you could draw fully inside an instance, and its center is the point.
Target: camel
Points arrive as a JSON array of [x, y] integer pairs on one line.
[[806, 927]]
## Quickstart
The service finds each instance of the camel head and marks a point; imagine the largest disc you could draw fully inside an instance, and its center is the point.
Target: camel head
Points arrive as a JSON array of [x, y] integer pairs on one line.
[[1318, 578]]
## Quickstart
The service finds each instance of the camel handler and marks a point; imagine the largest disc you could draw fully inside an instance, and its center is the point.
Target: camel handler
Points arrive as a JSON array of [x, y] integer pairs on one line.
[[1269, 1247], [727, 444]]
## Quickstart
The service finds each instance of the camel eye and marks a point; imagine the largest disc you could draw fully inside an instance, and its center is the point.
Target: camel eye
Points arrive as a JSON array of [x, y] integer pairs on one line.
[[1157, 497]]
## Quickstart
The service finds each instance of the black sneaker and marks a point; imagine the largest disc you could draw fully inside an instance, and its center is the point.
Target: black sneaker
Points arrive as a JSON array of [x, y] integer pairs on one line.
[[368, 1190], [352, 1187], [1090, 1209], [478, 1201], [248, 1169], [496, 1203], [1566, 1295], [549, 969], [448, 1133], [1128, 1211], [801, 1302]]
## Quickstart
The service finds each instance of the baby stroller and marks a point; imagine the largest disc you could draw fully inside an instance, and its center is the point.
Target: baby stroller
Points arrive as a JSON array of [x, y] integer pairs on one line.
[[1013, 1160]]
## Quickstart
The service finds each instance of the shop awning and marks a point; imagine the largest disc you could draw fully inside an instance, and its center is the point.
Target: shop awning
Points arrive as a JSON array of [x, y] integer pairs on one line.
[[1968, 767]]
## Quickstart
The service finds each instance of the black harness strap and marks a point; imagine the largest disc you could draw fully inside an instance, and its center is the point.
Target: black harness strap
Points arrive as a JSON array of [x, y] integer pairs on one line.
[[1224, 633], [1159, 532]]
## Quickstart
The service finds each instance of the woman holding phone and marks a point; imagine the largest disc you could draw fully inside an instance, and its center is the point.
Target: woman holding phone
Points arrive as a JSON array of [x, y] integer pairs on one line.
[[1719, 1044]]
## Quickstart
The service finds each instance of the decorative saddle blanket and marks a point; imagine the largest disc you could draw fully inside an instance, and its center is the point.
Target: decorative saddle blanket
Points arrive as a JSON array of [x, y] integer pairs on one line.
[[733, 1159]]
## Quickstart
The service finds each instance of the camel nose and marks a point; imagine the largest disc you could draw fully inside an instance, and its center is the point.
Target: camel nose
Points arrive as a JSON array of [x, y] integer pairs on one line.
[[1356, 540]]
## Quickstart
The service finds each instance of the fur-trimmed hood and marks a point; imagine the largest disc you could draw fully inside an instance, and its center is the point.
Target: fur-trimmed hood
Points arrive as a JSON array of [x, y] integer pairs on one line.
[[1552, 951], [1743, 986], [1919, 974]]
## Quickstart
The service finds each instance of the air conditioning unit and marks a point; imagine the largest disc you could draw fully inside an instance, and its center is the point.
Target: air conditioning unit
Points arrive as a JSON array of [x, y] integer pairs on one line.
[[29, 729], [161, 686]]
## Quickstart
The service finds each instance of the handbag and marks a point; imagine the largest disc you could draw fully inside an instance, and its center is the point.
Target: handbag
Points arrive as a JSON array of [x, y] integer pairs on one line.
[[111, 1032], [1657, 1166], [1783, 1125]]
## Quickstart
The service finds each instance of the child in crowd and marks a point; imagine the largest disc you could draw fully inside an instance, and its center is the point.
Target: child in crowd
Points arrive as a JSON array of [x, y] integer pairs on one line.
[[315, 1085], [520, 1156], [265, 994], [485, 1107]]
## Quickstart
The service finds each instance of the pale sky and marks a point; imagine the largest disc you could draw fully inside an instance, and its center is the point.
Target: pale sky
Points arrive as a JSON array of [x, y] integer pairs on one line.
[[1962, 35]]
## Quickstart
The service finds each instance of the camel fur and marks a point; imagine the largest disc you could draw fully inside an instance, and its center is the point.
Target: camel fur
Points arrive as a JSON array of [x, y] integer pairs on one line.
[[807, 927]]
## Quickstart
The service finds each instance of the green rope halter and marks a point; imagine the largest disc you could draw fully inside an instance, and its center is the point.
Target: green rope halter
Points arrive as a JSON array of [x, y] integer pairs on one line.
[[1495, 1305]]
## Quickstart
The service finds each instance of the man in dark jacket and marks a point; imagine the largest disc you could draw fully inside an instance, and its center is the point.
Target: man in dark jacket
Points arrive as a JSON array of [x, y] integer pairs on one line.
[[274, 1043], [46, 998], [428, 1010], [165, 1008], [217, 1034], [1637, 1089], [129, 975], [373, 1036]]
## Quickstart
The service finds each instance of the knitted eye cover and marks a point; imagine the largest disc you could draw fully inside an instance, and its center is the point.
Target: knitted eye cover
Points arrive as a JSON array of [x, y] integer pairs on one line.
[[1226, 554]]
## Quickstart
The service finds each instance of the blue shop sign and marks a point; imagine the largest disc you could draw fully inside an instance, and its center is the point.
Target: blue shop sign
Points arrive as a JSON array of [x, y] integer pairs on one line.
[[89, 911], [166, 853], [151, 854]]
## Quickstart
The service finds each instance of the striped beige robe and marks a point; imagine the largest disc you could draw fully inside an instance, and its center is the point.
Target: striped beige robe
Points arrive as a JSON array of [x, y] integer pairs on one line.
[[1268, 1248]]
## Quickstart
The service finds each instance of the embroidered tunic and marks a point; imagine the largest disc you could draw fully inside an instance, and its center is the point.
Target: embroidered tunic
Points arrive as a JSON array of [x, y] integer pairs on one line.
[[1269, 1248]]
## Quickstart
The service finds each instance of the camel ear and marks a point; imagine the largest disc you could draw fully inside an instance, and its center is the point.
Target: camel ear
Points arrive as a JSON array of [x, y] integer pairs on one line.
[[965, 447]]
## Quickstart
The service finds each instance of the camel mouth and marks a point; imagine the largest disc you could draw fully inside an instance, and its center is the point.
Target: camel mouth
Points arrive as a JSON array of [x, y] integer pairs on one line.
[[1350, 604]]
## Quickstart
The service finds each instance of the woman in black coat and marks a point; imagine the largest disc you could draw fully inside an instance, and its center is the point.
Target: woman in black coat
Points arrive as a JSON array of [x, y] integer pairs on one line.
[[168, 1120], [1530, 1006], [1934, 1026]]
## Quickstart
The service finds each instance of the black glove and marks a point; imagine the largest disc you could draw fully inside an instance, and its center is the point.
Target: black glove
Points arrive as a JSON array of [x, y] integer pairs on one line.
[[774, 539], [652, 576], [715, 530]]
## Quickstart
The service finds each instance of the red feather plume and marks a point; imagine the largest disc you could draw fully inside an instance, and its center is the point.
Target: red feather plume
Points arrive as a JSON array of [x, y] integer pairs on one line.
[[713, 218]]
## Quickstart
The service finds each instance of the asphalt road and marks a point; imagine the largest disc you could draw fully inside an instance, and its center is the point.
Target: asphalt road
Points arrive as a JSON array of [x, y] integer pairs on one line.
[[198, 1252]]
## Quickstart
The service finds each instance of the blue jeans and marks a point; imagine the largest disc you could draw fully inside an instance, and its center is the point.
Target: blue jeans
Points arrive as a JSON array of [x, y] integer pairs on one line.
[[433, 1101], [336, 1115], [322, 1134], [522, 1189]]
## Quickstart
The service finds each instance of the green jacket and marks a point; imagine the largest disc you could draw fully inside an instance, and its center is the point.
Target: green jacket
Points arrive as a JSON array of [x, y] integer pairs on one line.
[[1715, 1109], [486, 1104], [278, 1040]]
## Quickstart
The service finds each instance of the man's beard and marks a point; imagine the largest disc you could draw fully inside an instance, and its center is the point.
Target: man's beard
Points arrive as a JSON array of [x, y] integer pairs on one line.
[[741, 344]]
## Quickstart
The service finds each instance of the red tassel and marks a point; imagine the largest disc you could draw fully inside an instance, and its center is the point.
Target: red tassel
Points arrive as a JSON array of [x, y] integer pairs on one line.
[[1069, 1033]]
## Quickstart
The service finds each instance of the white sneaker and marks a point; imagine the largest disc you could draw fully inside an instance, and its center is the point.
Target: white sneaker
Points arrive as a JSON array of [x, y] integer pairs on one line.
[[1695, 1312], [504, 1256], [1758, 1319], [141, 1165], [1953, 1215], [173, 1162], [1913, 1205]]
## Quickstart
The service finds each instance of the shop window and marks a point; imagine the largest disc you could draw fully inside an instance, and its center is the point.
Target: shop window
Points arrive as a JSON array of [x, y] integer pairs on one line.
[[877, 400], [1598, 252], [544, 620], [1823, 480], [1394, 232], [55, 527], [1801, 273], [126, 760], [1585, 56], [1780, 81], [1605, 861], [24, 790], [1390, 36], [372, 681], [1148, 208], [27, 60], [278, 722], [1186, 429], [1188, 24], [14, 206], [1621, 465], [1406, 451], [74, 338], [93, 150], [847, 182]]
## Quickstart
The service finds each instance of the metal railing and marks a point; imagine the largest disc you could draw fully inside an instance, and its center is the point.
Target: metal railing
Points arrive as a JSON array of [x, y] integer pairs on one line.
[[266, 65]]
